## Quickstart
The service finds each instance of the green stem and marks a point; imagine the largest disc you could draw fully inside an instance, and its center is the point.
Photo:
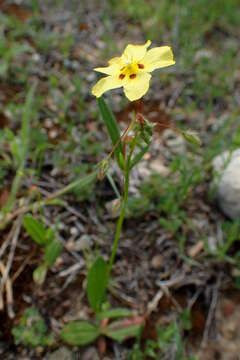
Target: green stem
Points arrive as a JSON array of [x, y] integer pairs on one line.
[[123, 209], [15, 187], [120, 221]]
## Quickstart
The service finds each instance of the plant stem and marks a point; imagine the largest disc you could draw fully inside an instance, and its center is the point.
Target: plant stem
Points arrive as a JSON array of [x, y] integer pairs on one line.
[[141, 106], [15, 187], [124, 205], [120, 221]]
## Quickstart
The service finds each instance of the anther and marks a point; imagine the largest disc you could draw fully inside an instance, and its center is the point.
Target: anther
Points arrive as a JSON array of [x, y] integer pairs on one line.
[[121, 76], [132, 76], [140, 66]]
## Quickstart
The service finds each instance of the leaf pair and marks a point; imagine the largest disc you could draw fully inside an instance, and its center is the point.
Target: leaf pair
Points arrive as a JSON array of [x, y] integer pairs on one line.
[[80, 333]]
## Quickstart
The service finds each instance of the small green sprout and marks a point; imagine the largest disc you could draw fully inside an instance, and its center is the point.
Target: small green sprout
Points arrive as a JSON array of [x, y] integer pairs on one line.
[[32, 330], [45, 237]]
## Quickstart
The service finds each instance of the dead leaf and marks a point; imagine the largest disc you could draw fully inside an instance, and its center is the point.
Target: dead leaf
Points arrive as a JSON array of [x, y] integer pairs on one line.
[[83, 26], [4, 197], [196, 249], [20, 12], [4, 121]]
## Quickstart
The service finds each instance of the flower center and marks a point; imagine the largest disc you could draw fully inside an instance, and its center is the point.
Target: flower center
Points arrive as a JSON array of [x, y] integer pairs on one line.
[[130, 70]]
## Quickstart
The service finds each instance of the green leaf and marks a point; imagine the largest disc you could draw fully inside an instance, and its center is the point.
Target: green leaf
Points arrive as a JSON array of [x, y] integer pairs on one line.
[[97, 280], [50, 236], [191, 137], [27, 116], [139, 156], [3, 68], [79, 184], [114, 313], [39, 274], [52, 251], [35, 229], [112, 128], [185, 318], [79, 333], [118, 332]]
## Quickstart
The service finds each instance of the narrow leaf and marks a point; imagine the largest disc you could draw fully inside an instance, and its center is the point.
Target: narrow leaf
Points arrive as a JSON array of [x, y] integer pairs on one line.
[[52, 251], [79, 184], [50, 236], [35, 229], [112, 128], [121, 333], [114, 313], [26, 117], [97, 279], [39, 274], [139, 156], [191, 137], [79, 333]]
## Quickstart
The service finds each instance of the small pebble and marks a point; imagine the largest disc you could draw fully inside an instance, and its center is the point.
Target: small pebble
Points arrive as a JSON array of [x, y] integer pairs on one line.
[[157, 261]]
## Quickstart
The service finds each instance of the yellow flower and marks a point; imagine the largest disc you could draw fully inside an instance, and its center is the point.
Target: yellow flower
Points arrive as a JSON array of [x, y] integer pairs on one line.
[[131, 70]]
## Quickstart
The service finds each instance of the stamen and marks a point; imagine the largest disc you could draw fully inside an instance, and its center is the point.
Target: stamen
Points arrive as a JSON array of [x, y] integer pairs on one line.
[[121, 76], [140, 66], [122, 68], [132, 76]]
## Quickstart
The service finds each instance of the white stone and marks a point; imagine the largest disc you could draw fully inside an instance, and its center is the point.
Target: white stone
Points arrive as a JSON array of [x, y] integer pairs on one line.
[[84, 243], [90, 354], [227, 182], [158, 167]]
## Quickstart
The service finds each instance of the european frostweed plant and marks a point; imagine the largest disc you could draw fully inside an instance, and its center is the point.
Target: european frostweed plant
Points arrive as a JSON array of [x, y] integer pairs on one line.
[[132, 70]]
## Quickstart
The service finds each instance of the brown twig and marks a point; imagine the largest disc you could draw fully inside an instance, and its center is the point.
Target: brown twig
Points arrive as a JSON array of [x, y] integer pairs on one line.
[[22, 267], [9, 292], [6, 242], [210, 317], [16, 233]]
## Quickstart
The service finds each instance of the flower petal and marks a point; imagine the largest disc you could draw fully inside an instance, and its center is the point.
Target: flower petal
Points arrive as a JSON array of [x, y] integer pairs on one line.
[[115, 60], [105, 84], [158, 57], [109, 70], [135, 53], [134, 89]]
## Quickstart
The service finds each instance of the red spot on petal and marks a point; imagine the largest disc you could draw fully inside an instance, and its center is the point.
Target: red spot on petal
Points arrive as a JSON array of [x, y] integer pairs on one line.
[[140, 66], [132, 76], [121, 76]]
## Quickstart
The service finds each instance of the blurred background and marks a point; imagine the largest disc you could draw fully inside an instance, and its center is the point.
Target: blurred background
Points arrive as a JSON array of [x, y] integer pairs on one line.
[[181, 236]]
